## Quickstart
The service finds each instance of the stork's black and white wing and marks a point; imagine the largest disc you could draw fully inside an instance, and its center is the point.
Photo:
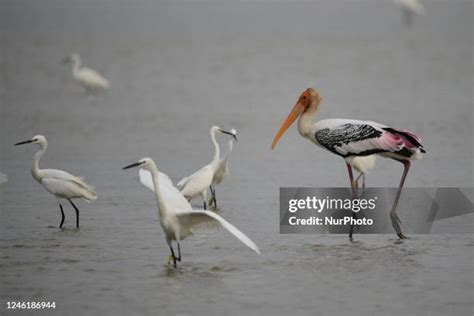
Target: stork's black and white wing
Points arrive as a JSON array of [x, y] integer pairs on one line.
[[361, 138]]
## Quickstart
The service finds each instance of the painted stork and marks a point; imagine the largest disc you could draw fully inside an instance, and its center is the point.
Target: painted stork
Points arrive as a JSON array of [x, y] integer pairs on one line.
[[353, 138]]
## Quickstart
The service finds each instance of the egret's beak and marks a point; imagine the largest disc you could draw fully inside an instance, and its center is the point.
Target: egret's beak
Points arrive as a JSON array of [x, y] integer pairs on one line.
[[297, 110], [66, 60], [135, 164], [229, 133], [22, 143]]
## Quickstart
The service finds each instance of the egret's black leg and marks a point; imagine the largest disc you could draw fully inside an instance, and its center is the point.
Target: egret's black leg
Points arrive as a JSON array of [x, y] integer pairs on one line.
[[363, 183], [204, 203], [77, 213], [213, 191], [179, 253], [174, 256], [357, 180], [62, 216], [212, 199], [354, 195]]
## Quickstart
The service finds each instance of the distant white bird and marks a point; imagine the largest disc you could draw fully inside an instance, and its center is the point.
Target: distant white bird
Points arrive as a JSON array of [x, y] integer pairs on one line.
[[3, 178], [60, 183], [177, 218], [90, 79], [410, 8], [222, 170], [197, 183], [363, 164]]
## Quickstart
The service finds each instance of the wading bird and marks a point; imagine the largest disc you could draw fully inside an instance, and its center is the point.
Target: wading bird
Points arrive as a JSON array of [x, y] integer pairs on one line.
[[222, 170], [177, 218], [363, 164], [352, 138], [3, 178], [197, 183], [410, 8], [90, 79], [60, 183]]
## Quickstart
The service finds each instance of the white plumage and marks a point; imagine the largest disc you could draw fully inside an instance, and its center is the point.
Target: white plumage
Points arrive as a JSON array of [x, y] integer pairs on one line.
[[363, 165], [60, 183], [90, 79], [3, 178], [197, 183], [176, 199], [222, 170], [177, 218]]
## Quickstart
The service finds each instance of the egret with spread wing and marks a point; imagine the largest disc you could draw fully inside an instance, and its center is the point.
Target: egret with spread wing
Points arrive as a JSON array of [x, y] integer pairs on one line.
[[196, 184], [352, 138], [177, 218], [60, 183]]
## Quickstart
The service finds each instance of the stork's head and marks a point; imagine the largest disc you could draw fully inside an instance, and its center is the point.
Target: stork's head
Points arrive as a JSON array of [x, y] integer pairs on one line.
[[308, 100], [38, 139], [144, 163]]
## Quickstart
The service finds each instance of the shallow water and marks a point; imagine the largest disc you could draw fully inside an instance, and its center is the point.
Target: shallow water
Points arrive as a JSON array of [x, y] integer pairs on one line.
[[177, 69]]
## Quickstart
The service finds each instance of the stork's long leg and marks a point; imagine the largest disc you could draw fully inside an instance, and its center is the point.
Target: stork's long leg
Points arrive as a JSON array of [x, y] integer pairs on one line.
[[393, 212], [62, 216], [77, 213], [354, 195]]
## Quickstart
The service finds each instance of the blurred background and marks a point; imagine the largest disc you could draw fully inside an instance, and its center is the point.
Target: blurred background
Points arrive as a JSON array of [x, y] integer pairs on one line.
[[177, 68]]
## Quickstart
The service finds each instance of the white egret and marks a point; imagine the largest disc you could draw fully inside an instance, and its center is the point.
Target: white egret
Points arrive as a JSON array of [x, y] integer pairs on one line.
[[410, 8], [3, 178], [363, 164], [222, 170], [197, 183], [177, 218], [90, 79], [60, 183]]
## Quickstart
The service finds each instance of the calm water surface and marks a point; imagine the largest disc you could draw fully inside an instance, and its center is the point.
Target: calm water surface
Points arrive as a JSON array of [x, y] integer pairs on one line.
[[177, 69]]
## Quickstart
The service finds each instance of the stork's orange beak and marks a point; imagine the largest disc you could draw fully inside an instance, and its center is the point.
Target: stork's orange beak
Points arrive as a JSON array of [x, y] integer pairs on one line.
[[297, 110]]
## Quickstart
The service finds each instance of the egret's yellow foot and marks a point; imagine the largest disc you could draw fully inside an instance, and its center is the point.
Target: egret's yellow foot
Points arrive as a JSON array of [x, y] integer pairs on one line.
[[170, 259], [212, 202]]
